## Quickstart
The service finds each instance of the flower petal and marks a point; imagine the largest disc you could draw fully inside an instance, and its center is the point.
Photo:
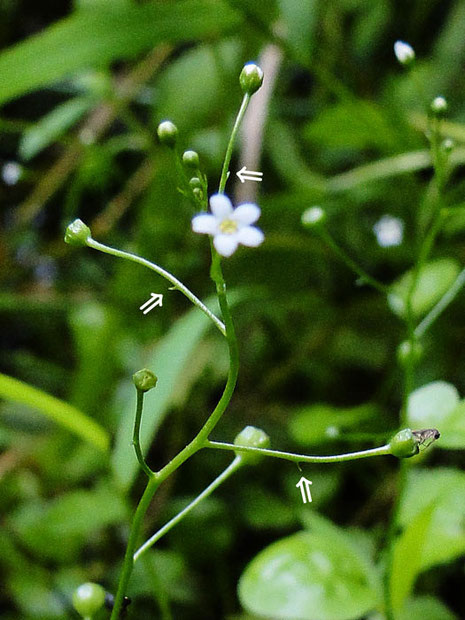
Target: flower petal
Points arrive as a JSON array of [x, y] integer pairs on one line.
[[246, 213], [205, 223], [250, 236], [225, 244], [220, 205]]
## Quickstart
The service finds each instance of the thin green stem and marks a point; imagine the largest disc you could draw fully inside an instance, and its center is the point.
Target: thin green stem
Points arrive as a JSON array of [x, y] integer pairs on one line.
[[302, 458], [233, 467], [351, 264], [136, 434], [128, 562], [441, 305], [162, 272], [232, 139]]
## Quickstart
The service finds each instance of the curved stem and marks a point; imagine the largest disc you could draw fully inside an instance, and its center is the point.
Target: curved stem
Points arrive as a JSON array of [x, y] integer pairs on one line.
[[232, 139], [233, 467], [162, 272], [353, 266], [136, 434], [302, 458], [126, 571]]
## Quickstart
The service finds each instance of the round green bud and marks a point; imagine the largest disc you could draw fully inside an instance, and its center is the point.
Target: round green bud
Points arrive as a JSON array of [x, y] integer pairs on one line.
[[439, 106], [251, 437], [88, 598], [408, 353], [313, 217], [448, 145], [77, 233], [404, 444], [198, 193], [195, 182], [251, 78], [167, 133], [191, 159], [144, 380]]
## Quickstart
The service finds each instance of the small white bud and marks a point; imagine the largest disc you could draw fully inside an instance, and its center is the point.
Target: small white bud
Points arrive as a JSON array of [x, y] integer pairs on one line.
[[404, 52], [439, 106]]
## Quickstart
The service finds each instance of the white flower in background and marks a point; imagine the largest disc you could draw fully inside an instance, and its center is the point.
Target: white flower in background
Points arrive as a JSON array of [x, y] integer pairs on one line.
[[389, 231], [404, 52], [229, 227], [11, 173]]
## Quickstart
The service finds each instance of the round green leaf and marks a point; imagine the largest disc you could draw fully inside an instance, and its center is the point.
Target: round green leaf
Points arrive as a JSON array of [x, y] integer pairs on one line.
[[308, 576], [434, 280]]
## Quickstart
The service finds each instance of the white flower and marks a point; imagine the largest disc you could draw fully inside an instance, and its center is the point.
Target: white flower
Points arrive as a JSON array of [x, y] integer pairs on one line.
[[228, 226], [389, 231], [404, 52]]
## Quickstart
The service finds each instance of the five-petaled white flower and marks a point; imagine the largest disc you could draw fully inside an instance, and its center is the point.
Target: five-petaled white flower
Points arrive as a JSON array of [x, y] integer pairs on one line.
[[229, 226]]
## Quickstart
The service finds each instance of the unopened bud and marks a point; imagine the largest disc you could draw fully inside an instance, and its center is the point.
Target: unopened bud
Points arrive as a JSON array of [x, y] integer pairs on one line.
[[88, 599], [404, 444], [251, 78], [251, 437], [409, 353], [404, 52], [167, 133], [448, 145], [195, 182], [77, 233], [313, 217], [144, 380], [439, 106], [191, 159]]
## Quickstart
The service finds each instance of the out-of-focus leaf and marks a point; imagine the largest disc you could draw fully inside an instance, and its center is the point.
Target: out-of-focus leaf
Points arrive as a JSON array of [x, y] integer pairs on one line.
[[263, 510], [322, 422], [407, 559], [434, 280], [444, 489], [300, 18], [60, 412], [437, 405], [318, 575], [167, 360], [52, 126], [57, 530], [422, 607], [104, 33]]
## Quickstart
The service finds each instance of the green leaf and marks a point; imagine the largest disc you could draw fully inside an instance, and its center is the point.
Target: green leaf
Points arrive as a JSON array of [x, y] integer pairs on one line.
[[407, 559], [321, 422], [168, 361], [437, 405], [101, 34], [319, 575], [444, 489], [52, 126], [434, 280], [422, 607], [66, 415]]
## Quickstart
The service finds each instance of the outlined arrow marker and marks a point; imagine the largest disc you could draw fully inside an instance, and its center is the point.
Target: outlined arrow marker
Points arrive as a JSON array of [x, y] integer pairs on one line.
[[156, 299], [304, 485], [249, 175]]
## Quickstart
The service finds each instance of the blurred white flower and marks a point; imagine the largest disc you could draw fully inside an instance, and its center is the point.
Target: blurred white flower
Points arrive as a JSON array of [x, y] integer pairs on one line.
[[11, 173], [389, 231], [404, 52], [229, 227]]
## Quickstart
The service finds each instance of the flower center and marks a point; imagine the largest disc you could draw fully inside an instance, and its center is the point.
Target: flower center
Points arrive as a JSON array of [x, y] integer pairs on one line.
[[228, 227]]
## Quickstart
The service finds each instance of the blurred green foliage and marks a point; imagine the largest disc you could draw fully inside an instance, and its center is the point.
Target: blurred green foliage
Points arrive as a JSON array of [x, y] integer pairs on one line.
[[83, 86]]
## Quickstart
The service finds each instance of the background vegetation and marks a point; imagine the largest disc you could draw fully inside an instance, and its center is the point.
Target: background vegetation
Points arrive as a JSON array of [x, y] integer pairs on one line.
[[83, 86]]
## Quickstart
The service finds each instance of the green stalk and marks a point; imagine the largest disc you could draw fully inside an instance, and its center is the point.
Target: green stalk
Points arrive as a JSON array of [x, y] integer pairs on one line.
[[233, 467], [232, 139], [136, 434]]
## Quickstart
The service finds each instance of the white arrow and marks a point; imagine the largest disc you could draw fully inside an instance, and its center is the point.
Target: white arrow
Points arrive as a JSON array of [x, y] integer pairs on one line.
[[156, 299], [249, 175], [304, 485]]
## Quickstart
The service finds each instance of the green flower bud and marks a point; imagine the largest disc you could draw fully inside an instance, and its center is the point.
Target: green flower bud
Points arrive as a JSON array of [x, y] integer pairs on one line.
[[447, 145], [198, 193], [439, 106], [195, 182], [251, 437], [88, 598], [251, 78], [167, 133], [144, 380], [404, 52], [313, 217], [406, 353], [404, 444], [191, 159], [77, 233]]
